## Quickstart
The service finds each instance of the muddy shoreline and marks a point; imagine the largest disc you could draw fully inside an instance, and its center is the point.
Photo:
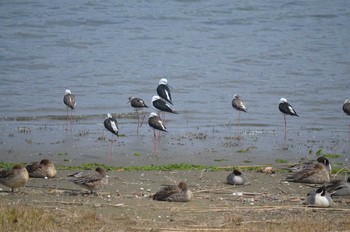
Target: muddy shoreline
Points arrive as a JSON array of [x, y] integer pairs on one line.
[[269, 203]]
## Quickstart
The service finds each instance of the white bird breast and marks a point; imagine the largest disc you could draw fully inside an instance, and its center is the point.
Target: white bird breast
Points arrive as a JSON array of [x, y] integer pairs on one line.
[[114, 126]]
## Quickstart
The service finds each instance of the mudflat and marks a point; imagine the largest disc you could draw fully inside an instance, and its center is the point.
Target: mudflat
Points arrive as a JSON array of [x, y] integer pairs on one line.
[[268, 203]]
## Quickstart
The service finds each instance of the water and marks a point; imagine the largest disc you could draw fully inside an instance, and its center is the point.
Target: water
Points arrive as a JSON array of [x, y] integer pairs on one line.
[[108, 51]]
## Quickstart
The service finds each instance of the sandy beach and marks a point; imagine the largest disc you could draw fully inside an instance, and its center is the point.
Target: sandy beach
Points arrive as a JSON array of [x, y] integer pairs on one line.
[[269, 203]]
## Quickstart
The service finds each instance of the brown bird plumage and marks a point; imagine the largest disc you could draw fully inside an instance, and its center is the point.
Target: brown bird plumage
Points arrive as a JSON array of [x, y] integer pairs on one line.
[[14, 178], [42, 169], [178, 193]]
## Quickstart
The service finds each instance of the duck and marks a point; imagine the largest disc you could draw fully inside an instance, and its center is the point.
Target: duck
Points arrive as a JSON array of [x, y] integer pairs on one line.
[[90, 179], [339, 187], [237, 178], [41, 169], [310, 163], [313, 174], [319, 198], [16, 177], [175, 193]]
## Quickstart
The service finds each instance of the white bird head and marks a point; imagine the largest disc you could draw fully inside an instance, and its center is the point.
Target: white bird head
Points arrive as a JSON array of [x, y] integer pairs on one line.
[[163, 81], [109, 115], [346, 101], [283, 100], [155, 98], [68, 91], [153, 114]]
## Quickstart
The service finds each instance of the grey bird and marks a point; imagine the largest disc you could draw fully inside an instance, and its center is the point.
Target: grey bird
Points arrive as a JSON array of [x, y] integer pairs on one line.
[[177, 193], [319, 198], [339, 187], [237, 178]]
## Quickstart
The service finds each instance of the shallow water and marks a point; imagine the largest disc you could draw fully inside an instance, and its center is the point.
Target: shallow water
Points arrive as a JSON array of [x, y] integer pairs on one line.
[[106, 52]]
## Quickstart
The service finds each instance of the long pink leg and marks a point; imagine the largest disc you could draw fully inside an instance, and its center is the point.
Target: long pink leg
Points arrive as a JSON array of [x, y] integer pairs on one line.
[[154, 140]]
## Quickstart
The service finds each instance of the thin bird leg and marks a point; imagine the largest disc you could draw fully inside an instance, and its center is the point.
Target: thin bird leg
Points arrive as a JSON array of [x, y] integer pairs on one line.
[[285, 127], [239, 115], [154, 141], [138, 121], [142, 120], [70, 121], [67, 120]]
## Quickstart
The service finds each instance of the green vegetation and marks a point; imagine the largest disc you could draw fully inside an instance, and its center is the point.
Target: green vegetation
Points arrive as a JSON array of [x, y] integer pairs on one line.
[[319, 152], [247, 149], [137, 154], [281, 161]]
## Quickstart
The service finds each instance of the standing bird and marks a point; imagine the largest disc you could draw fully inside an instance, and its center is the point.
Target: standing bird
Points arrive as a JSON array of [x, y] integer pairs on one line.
[[239, 105], [69, 101], [90, 179], [346, 106], [162, 105], [236, 178], [111, 124], [286, 109], [319, 198], [177, 193], [42, 169], [138, 104], [156, 123], [163, 90], [14, 178]]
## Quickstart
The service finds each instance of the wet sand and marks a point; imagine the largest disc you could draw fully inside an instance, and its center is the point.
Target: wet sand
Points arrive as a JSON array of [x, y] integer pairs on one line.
[[269, 203], [87, 141]]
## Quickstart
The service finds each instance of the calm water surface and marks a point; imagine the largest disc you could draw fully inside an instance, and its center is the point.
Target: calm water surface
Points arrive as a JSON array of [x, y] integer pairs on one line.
[[208, 50]]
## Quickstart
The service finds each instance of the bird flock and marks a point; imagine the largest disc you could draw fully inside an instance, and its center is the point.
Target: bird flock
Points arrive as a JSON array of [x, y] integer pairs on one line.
[[316, 172], [312, 171]]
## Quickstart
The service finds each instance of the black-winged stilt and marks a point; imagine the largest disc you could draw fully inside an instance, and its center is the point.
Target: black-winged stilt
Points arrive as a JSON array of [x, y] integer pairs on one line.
[[162, 105], [111, 125], [239, 105], [346, 106], [69, 101], [163, 90], [156, 123], [138, 104], [286, 109]]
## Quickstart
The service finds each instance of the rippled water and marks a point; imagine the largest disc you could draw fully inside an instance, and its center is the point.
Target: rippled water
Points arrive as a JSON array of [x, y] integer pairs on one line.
[[208, 50]]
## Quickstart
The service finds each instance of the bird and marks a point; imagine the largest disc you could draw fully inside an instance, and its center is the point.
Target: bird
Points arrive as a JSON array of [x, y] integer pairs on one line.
[[43, 169], [286, 109], [309, 163], [237, 178], [339, 187], [156, 123], [111, 125], [346, 106], [238, 104], [138, 104], [69, 101], [14, 178], [162, 105], [163, 90], [176, 193], [319, 198], [90, 179], [313, 174]]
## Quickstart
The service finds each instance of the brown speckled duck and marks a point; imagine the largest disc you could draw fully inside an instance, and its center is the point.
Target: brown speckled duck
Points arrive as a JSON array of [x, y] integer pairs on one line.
[[42, 169], [313, 174], [178, 193], [90, 179], [14, 178]]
